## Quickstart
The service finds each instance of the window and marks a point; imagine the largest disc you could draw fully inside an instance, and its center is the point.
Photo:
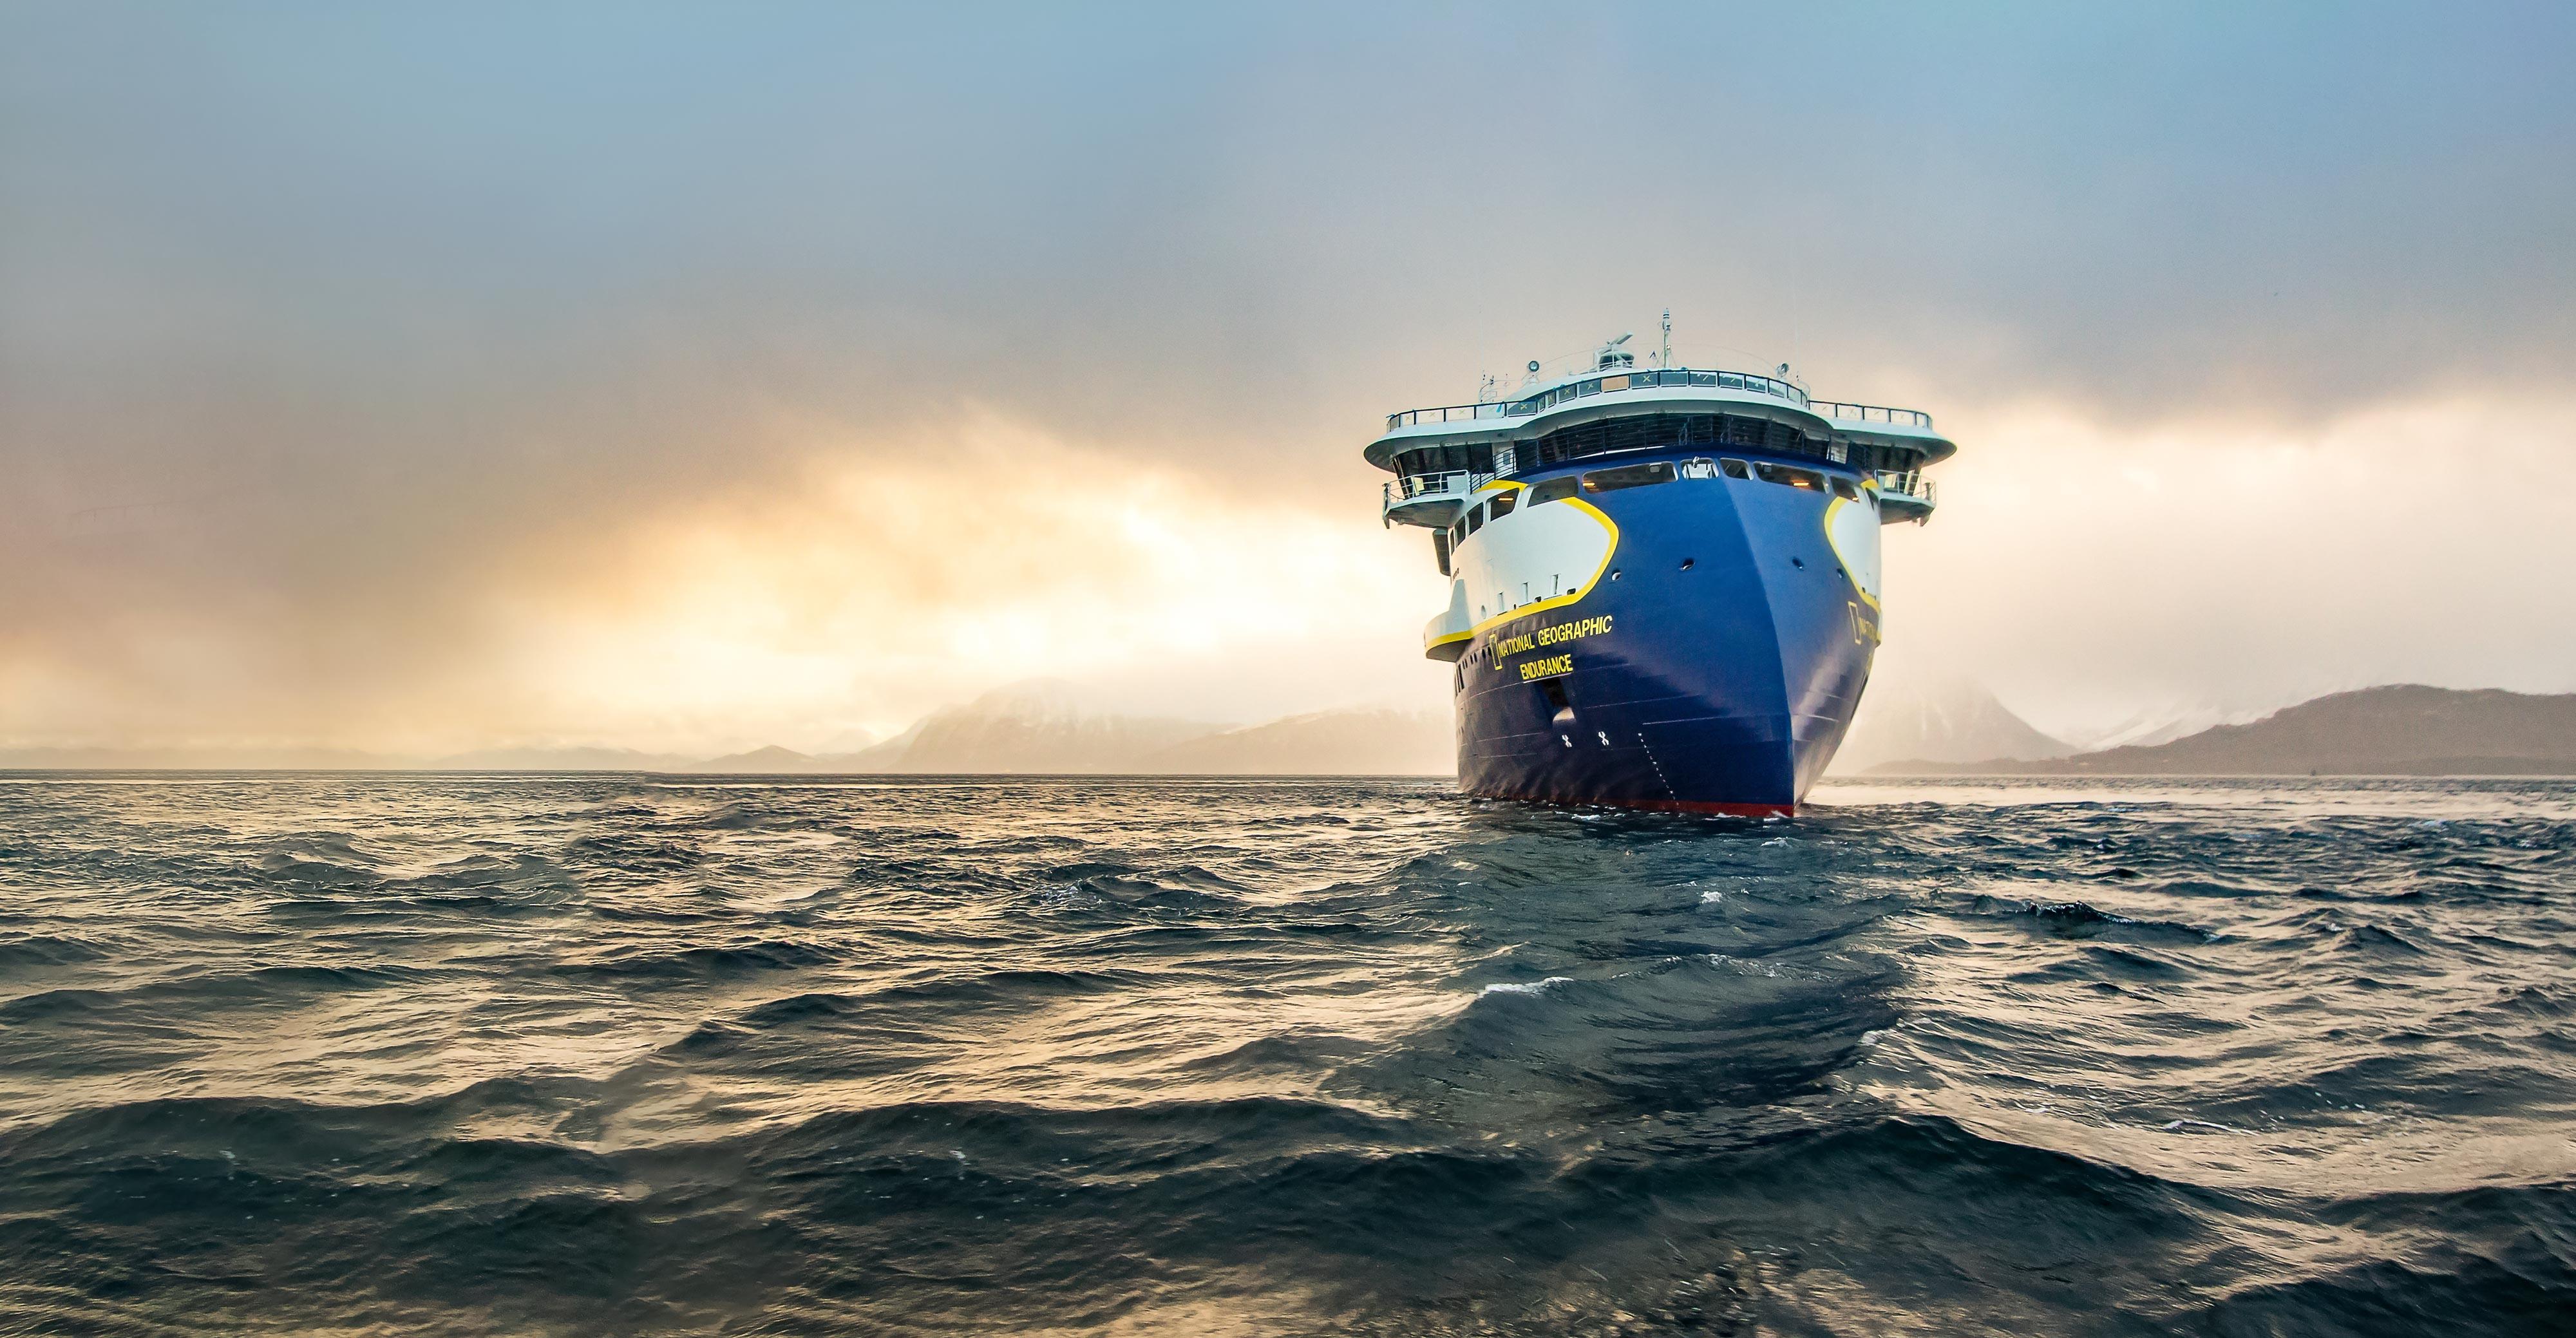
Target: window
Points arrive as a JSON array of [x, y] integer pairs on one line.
[[1445, 459], [1440, 550], [1629, 476], [1501, 504], [1633, 432], [1457, 533], [1475, 519], [1795, 478], [1551, 489], [1736, 469], [1844, 490]]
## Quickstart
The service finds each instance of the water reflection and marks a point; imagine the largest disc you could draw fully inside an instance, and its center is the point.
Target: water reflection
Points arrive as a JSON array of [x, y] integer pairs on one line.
[[618, 1055]]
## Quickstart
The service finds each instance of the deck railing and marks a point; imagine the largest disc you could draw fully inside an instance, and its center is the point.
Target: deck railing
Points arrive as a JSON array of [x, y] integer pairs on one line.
[[1872, 413], [1608, 383], [1911, 483], [1455, 484]]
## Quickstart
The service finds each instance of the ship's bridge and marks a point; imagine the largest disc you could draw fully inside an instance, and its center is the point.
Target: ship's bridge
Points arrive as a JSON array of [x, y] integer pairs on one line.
[[1442, 456]]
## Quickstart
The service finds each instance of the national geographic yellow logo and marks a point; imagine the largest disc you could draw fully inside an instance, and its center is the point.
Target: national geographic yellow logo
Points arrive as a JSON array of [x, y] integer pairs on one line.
[[1554, 634], [1547, 668]]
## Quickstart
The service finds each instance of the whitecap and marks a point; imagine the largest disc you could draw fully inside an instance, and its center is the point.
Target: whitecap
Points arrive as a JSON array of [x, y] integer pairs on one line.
[[1525, 987]]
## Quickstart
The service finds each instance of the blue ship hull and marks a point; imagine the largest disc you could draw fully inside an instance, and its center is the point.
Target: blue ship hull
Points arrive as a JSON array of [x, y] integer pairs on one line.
[[1732, 655]]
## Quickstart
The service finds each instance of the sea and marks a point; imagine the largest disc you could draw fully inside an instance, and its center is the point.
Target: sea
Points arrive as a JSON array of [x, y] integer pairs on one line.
[[622, 1054]]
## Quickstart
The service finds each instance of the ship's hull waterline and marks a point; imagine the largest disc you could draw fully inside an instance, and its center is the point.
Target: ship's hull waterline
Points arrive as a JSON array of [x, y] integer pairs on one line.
[[1709, 662]]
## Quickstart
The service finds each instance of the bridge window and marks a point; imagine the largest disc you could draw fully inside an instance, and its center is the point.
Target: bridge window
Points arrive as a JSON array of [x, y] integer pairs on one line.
[[1501, 504], [1549, 490], [1636, 432], [1795, 478], [1475, 519], [1629, 476], [1736, 469], [1844, 490], [1445, 459]]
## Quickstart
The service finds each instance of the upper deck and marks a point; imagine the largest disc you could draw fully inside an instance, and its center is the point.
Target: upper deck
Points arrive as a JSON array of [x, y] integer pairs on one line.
[[1609, 393], [1441, 454]]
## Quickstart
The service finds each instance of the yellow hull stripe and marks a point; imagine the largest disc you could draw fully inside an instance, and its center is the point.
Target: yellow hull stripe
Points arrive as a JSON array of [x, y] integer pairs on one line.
[[1866, 597], [1609, 551]]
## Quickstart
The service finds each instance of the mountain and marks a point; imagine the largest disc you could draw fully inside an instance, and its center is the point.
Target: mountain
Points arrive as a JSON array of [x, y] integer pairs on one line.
[[560, 759], [199, 757], [1028, 728], [2408, 730], [772, 760], [2157, 725], [1326, 743], [1950, 721]]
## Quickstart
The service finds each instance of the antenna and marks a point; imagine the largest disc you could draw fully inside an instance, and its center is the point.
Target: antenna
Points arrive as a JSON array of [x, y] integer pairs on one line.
[[1667, 359]]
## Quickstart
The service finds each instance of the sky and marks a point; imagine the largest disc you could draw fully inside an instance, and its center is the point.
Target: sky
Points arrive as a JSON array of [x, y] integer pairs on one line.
[[697, 377]]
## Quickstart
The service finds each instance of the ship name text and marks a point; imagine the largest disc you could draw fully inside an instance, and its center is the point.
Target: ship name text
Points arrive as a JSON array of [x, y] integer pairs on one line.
[[1554, 634]]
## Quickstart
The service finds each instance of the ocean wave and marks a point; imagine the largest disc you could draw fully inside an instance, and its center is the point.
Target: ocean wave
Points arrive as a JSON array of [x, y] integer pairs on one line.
[[578, 1056]]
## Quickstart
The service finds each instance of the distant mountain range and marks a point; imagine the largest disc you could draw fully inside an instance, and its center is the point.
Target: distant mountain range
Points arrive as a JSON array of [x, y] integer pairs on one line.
[[1953, 730], [1029, 728], [1356, 743], [2406, 730], [1035, 728], [1043, 729], [1948, 721]]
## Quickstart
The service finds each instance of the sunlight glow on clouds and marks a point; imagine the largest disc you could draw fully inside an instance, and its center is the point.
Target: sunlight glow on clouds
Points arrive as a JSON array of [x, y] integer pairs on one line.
[[425, 378], [870, 588], [2086, 570]]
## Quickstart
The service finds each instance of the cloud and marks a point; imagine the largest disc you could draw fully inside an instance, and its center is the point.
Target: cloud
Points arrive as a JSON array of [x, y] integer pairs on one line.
[[850, 585], [2084, 568], [369, 375]]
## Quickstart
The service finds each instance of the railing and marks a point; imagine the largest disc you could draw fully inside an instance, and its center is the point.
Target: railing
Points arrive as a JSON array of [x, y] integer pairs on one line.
[[1608, 383], [1910, 483], [1455, 413], [1455, 483], [1872, 413]]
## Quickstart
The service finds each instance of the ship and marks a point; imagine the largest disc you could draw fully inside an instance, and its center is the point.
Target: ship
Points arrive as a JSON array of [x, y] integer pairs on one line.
[[1663, 580]]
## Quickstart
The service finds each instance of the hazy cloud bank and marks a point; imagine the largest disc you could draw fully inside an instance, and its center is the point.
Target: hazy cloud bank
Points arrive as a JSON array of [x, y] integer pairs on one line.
[[700, 377]]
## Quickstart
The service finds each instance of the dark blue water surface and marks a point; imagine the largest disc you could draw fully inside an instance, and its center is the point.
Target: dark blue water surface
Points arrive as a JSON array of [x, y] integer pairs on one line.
[[607, 1055]]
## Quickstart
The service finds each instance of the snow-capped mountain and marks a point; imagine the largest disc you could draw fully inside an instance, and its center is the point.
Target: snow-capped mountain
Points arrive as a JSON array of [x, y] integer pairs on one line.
[[1039, 726], [1947, 721]]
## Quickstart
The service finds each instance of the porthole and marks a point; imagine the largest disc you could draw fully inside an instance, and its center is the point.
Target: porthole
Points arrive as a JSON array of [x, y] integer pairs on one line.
[[1686, 564]]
